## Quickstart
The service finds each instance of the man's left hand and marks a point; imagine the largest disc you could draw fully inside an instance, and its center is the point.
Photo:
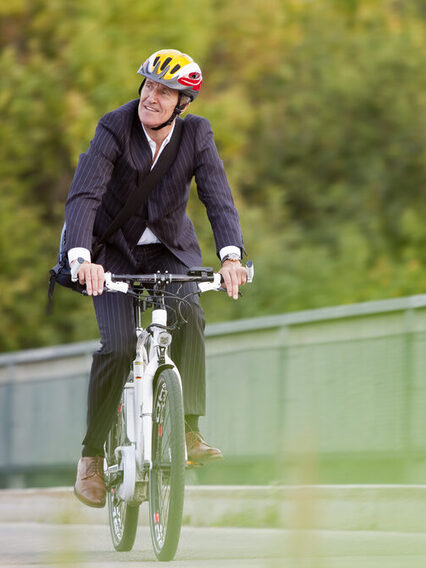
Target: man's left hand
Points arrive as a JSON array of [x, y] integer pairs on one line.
[[234, 276]]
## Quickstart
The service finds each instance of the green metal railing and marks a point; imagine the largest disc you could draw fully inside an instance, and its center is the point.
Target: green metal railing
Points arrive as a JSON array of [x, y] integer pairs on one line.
[[329, 395]]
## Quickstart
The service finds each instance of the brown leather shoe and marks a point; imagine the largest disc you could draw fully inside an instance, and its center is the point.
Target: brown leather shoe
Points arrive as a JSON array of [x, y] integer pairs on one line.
[[198, 449], [90, 485]]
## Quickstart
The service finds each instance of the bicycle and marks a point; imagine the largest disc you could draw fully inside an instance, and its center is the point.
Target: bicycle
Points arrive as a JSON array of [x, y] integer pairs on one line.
[[145, 452]]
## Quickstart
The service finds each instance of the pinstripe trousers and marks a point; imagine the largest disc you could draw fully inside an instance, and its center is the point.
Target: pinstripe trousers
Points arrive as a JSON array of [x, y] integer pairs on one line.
[[111, 364]]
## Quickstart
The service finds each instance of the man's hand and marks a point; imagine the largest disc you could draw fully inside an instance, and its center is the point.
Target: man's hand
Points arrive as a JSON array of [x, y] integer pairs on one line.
[[234, 275], [93, 276]]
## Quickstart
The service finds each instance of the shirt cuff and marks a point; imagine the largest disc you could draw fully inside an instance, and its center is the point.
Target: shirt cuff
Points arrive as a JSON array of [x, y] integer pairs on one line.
[[77, 252], [229, 250]]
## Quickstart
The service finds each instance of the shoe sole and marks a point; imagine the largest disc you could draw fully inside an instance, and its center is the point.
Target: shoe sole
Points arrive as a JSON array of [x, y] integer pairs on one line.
[[89, 503], [205, 461]]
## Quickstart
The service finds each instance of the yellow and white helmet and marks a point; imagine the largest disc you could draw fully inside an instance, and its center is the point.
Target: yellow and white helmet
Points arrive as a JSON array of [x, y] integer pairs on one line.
[[174, 69]]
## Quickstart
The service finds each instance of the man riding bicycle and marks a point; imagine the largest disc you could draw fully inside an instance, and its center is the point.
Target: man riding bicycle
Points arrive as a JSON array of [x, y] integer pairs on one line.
[[127, 143]]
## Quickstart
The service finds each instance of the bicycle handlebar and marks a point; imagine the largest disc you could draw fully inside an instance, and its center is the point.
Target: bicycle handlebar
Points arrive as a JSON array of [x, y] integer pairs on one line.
[[205, 278]]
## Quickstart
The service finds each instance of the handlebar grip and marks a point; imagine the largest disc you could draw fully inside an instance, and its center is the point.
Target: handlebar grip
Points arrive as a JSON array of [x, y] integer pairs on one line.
[[75, 268], [250, 271]]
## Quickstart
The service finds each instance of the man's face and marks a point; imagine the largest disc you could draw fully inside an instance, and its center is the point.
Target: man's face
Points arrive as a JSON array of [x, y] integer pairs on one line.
[[157, 103]]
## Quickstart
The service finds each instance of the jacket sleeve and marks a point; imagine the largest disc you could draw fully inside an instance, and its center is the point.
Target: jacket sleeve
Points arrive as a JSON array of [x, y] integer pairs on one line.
[[214, 191], [90, 181]]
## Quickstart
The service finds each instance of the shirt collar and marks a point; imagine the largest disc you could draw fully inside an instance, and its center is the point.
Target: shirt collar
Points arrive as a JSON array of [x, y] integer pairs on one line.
[[151, 142]]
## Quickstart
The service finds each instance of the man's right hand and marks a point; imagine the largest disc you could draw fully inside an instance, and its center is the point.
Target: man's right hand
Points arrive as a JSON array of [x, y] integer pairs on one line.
[[93, 276]]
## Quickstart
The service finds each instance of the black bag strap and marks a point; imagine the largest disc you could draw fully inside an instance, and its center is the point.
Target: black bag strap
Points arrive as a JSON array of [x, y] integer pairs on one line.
[[139, 196]]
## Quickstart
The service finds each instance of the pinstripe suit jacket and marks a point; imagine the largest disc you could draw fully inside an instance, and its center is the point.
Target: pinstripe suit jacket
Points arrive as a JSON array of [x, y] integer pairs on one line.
[[107, 173]]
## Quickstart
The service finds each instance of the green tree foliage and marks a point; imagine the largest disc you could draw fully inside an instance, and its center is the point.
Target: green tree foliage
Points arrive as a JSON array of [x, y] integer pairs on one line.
[[319, 114]]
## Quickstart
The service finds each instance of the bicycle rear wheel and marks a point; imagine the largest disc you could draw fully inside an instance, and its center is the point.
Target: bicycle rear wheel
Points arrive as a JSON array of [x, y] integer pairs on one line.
[[123, 518], [167, 477]]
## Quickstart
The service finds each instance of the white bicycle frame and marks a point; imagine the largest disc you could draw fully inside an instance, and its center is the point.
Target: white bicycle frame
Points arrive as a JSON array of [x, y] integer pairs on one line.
[[147, 364], [135, 461], [151, 358]]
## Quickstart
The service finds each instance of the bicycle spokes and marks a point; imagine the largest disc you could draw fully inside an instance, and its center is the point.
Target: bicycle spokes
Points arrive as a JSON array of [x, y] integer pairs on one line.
[[168, 466]]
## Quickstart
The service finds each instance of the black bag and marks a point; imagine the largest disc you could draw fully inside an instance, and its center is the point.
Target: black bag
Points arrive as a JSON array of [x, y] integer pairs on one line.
[[61, 272]]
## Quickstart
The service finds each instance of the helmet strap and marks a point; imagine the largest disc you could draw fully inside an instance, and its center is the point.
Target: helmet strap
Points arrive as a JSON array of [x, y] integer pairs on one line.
[[177, 111]]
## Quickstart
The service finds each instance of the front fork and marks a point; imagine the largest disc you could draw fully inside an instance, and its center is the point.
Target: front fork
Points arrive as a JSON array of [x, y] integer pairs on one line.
[[151, 358]]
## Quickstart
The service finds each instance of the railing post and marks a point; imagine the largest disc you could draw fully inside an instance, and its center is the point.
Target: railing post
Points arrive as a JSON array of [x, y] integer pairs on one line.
[[8, 422], [407, 452], [282, 397]]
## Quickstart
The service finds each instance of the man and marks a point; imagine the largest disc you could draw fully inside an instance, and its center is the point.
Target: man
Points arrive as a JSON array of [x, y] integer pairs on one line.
[[126, 146]]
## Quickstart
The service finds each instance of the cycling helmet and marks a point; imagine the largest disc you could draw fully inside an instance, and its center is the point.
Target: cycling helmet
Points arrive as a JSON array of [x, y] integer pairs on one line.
[[175, 70]]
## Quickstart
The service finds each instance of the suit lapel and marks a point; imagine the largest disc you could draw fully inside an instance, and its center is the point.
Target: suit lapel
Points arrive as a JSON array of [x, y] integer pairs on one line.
[[139, 148]]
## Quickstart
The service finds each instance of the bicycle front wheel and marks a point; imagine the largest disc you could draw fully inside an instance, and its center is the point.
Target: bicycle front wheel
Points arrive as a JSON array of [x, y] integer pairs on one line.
[[167, 477]]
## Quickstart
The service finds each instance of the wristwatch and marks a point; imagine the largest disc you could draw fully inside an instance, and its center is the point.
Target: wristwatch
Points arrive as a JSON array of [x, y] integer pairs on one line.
[[235, 257]]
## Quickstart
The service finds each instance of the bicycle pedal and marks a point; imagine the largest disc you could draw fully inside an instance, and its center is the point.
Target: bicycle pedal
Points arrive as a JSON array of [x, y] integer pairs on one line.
[[141, 492]]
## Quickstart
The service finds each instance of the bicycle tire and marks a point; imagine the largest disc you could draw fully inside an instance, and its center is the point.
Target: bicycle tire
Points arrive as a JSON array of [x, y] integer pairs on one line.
[[167, 476], [123, 517]]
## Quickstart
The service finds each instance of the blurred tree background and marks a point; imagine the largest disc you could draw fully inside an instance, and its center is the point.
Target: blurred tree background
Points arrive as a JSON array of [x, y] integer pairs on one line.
[[319, 113]]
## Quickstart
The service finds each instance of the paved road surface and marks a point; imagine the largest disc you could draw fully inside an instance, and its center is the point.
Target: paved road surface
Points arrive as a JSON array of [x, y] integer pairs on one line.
[[39, 545]]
